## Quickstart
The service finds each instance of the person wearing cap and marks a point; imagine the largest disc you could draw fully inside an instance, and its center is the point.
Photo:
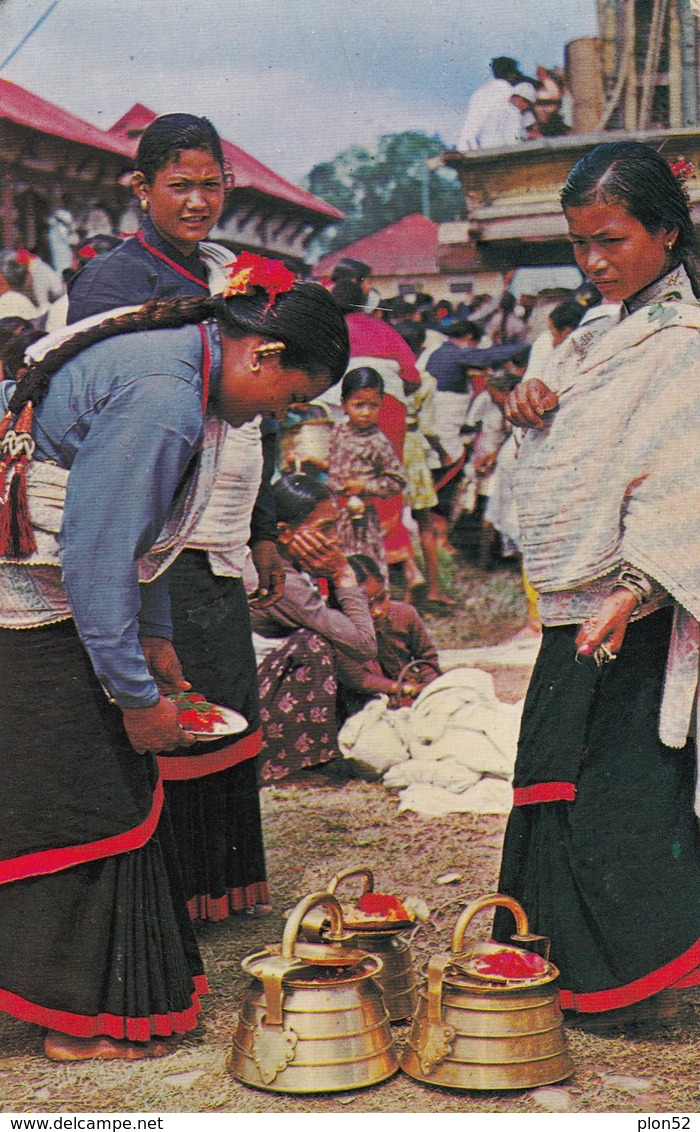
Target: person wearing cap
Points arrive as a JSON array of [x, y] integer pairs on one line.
[[523, 122]]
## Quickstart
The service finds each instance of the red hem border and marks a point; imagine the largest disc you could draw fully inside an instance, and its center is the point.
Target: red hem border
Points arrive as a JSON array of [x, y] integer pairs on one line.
[[215, 908], [109, 1025], [178, 768], [544, 792], [55, 860], [684, 971]]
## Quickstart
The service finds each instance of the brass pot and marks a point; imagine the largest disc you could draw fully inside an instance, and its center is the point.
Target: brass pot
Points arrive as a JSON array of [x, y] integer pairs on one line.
[[303, 444], [472, 1031], [397, 978], [313, 1019]]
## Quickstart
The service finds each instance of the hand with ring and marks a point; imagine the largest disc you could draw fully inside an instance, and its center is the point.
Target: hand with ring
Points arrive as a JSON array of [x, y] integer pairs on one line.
[[601, 637]]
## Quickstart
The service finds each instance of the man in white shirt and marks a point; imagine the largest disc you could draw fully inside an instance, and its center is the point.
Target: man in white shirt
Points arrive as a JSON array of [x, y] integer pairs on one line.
[[489, 107]]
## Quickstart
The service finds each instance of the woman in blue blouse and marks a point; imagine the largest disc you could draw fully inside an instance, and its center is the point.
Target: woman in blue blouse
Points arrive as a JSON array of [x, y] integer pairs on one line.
[[212, 790], [97, 945]]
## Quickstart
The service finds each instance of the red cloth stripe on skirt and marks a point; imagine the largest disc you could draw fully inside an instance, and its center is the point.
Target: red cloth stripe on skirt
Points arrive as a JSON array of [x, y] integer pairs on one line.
[[110, 1025], [54, 860], [183, 767], [544, 792], [684, 970]]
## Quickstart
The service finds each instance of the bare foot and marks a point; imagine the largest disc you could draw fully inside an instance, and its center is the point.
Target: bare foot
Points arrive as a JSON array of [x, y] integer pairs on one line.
[[440, 599], [65, 1047]]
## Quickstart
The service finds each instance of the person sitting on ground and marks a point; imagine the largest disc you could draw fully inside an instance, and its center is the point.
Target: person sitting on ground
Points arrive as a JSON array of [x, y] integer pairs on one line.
[[406, 660], [299, 637]]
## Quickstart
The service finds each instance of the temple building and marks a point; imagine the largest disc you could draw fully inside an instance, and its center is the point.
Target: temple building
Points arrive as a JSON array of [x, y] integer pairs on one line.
[[403, 259], [60, 175]]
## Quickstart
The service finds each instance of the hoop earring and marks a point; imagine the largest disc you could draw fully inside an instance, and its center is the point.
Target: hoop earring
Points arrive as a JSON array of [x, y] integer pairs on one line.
[[267, 350]]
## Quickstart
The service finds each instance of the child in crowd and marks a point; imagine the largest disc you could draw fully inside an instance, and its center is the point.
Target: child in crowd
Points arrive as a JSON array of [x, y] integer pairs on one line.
[[402, 640], [363, 466], [491, 430], [422, 443]]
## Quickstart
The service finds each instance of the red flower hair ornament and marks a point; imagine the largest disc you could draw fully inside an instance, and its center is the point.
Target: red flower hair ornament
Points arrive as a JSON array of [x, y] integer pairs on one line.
[[251, 270], [682, 170]]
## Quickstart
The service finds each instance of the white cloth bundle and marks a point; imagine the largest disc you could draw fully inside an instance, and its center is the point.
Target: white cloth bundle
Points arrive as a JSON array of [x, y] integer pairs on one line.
[[452, 751]]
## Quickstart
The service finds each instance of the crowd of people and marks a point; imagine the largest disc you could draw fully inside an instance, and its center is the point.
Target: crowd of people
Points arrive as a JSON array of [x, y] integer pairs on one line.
[[153, 544]]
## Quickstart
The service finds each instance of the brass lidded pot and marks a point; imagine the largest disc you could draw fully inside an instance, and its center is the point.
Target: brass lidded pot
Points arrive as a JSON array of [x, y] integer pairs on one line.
[[306, 442], [384, 939], [313, 1019], [478, 1030]]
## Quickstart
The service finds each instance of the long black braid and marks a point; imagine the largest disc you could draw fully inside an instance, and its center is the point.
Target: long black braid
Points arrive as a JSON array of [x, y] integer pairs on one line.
[[161, 314], [306, 319]]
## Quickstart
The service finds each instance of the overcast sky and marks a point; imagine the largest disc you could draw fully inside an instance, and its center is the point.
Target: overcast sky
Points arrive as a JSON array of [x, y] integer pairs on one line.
[[291, 81]]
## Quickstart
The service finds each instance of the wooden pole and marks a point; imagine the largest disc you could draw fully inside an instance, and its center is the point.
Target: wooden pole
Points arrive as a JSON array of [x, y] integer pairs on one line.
[[675, 68]]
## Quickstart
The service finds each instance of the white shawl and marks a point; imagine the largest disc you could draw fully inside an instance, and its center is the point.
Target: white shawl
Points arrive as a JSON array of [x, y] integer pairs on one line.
[[614, 476]]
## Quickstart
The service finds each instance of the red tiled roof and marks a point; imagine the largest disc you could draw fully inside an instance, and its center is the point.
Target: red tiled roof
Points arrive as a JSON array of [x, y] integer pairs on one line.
[[248, 172], [27, 109], [407, 247]]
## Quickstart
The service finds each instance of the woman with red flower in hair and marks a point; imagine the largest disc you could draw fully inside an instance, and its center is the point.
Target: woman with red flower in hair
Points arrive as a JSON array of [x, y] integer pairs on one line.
[[111, 446]]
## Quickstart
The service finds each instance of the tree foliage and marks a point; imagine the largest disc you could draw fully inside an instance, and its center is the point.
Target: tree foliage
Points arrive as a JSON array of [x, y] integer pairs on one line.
[[376, 186]]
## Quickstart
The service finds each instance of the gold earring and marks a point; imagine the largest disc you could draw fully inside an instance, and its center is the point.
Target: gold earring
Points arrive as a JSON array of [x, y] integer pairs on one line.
[[144, 204], [267, 350]]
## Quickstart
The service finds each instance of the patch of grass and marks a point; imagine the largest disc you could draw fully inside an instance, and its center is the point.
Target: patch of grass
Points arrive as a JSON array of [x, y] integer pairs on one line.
[[490, 603]]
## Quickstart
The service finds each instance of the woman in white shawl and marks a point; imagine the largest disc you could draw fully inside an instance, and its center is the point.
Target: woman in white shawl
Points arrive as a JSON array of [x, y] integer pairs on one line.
[[602, 847]]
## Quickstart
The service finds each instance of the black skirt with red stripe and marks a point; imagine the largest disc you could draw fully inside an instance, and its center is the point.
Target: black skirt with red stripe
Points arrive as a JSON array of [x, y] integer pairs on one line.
[[602, 848], [212, 787], [96, 938]]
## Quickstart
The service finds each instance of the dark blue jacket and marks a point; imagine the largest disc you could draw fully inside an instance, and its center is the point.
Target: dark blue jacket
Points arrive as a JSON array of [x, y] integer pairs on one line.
[[130, 275]]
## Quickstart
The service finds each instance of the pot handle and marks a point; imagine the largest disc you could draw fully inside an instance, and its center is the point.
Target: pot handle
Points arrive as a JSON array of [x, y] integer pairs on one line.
[[291, 929], [497, 900], [355, 871], [435, 1037]]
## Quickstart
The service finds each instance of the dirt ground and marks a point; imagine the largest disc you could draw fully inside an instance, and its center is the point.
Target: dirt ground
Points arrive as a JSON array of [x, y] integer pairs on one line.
[[311, 831]]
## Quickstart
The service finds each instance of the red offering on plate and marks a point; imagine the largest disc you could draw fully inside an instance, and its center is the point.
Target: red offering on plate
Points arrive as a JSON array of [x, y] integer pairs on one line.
[[195, 713], [511, 964], [382, 906]]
